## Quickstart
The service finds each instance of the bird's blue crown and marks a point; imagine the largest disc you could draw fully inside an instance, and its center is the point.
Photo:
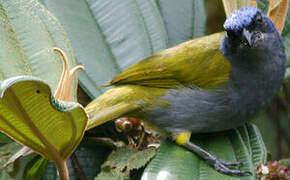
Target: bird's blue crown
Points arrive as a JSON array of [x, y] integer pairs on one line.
[[241, 18]]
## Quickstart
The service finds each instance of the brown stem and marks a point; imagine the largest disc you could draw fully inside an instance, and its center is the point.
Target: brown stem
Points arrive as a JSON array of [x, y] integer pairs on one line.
[[62, 169], [79, 171]]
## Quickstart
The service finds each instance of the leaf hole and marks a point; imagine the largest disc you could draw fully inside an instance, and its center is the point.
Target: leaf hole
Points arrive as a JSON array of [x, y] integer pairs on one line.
[[38, 91]]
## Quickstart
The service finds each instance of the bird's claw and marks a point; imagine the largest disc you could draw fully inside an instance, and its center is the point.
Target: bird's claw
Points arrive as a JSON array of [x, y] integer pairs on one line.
[[219, 165], [232, 164], [223, 167]]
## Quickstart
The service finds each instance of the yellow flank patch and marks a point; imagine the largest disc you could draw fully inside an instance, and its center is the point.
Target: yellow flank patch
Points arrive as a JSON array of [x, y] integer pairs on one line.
[[182, 138]]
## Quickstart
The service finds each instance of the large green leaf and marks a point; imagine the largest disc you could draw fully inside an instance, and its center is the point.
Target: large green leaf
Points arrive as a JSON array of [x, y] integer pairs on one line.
[[122, 161], [30, 115], [29, 75], [183, 21], [174, 162], [110, 35], [28, 32], [35, 168]]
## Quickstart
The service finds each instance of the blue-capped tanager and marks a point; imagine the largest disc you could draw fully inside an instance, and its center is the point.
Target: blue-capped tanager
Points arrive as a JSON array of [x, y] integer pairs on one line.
[[209, 84]]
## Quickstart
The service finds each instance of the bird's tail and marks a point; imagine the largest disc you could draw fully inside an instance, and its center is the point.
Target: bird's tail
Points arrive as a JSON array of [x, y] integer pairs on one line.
[[97, 117]]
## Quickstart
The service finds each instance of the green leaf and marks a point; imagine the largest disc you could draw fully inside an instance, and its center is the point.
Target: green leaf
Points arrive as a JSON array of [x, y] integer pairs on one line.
[[269, 134], [35, 168], [284, 162], [109, 35], [30, 115], [183, 21], [29, 74], [6, 151], [4, 139], [28, 32], [174, 162], [112, 175], [15, 170], [122, 161]]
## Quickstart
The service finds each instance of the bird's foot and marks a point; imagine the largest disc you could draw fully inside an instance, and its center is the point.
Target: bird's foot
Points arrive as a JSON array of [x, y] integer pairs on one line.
[[229, 168], [232, 164], [226, 167]]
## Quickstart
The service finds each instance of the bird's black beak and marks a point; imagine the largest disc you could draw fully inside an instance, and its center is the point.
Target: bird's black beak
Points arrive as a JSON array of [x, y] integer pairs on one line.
[[247, 35]]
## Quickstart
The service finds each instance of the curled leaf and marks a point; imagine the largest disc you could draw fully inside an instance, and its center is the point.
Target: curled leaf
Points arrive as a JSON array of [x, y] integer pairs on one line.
[[277, 11], [232, 5], [30, 115]]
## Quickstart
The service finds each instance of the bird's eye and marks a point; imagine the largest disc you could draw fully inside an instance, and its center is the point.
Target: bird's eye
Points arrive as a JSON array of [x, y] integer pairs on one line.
[[258, 35]]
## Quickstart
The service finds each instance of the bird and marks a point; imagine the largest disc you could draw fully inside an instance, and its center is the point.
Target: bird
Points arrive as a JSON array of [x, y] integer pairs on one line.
[[206, 85]]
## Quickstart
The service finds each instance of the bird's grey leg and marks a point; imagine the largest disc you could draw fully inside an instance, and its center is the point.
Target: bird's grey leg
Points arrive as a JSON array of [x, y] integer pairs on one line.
[[219, 165]]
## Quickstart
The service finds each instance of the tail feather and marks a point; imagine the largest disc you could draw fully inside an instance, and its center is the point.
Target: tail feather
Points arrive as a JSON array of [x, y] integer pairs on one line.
[[97, 117]]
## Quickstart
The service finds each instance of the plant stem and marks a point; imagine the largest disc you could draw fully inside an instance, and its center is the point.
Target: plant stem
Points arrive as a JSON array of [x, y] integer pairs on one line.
[[79, 171], [62, 169]]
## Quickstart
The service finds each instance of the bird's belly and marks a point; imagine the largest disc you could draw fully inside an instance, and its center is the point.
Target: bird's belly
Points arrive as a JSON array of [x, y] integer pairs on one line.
[[196, 111], [179, 122]]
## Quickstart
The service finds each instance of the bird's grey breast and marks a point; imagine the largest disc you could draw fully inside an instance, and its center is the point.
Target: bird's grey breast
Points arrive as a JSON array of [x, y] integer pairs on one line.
[[193, 109], [252, 85]]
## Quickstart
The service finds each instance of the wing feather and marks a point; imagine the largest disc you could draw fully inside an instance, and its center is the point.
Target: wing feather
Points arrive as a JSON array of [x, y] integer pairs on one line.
[[198, 62]]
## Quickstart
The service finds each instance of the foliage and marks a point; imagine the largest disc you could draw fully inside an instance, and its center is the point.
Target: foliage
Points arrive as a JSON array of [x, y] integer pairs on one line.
[[122, 161], [107, 36], [30, 72], [113, 28], [243, 144], [106, 44]]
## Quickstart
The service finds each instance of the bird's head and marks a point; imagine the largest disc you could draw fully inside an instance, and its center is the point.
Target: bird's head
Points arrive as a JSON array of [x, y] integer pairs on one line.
[[249, 29]]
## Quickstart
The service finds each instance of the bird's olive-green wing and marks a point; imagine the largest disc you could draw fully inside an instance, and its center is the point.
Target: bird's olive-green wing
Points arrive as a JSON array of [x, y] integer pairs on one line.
[[198, 62]]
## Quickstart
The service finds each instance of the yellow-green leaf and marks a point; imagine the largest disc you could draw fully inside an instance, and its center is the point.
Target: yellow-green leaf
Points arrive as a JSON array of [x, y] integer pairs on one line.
[[30, 115], [28, 32]]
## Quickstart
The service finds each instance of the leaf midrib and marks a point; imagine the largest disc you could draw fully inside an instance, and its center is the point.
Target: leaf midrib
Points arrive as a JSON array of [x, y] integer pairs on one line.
[[53, 153], [117, 66], [17, 38]]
